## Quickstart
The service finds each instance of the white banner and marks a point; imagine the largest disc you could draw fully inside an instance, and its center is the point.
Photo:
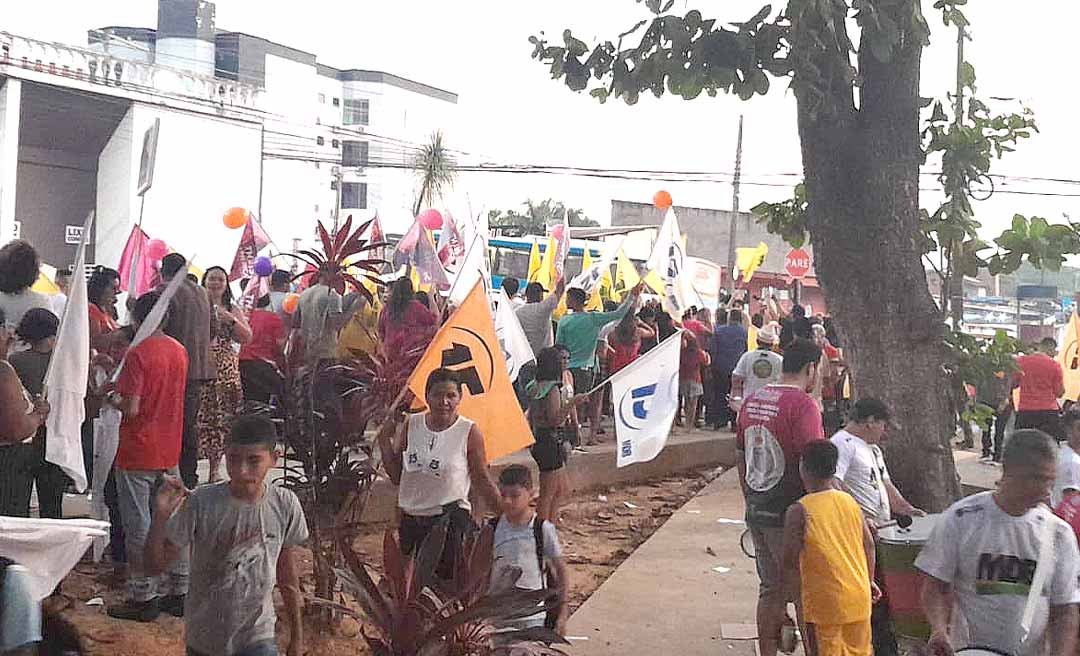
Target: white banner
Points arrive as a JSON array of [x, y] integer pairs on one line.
[[668, 260], [590, 278], [645, 396], [512, 339], [66, 378]]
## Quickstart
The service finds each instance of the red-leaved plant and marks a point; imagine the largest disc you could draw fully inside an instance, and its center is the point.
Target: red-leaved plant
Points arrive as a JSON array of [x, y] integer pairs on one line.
[[337, 249]]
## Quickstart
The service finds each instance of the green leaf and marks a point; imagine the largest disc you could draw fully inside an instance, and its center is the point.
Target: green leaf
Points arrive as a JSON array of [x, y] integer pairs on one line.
[[967, 75], [653, 6]]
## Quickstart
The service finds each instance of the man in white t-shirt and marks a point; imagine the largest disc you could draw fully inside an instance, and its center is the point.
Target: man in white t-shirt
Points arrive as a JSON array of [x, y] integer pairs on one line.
[[862, 473], [983, 554], [757, 368], [861, 468], [1067, 482]]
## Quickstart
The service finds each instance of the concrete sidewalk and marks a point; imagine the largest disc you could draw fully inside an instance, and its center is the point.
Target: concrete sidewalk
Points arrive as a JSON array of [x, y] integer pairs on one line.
[[666, 598]]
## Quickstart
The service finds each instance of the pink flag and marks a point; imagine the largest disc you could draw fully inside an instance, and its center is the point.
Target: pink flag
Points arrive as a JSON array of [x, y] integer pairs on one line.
[[561, 234], [451, 247], [254, 240], [135, 268]]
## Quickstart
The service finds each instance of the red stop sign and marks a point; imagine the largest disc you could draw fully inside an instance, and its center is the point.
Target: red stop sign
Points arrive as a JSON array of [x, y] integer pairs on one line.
[[797, 263]]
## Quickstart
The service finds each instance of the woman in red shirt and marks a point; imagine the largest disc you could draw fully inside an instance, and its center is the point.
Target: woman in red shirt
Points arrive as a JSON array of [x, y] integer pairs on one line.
[[262, 358], [625, 341], [692, 359], [405, 327]]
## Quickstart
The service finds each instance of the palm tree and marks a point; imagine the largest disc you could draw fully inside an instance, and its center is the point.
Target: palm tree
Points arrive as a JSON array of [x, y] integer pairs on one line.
[[436, 169]]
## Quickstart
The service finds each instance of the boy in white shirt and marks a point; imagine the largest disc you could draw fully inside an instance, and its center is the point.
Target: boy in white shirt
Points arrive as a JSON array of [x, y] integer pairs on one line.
[[1067, 482]]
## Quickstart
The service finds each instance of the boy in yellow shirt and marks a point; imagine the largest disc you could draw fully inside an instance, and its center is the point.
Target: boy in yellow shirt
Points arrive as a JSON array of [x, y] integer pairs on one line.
[[829, 556]]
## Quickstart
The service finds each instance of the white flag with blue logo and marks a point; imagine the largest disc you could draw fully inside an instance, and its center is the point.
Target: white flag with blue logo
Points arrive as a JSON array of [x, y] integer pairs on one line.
[[645, 396]]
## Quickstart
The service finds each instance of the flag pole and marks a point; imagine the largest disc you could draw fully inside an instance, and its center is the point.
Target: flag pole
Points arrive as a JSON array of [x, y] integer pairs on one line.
[[608, 379]]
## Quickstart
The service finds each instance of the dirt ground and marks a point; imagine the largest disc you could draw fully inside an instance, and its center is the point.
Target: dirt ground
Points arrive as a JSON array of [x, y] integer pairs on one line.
[[600, 529]]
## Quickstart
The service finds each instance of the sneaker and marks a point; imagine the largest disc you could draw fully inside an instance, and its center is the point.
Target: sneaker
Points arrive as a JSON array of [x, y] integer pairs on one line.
[[173, 604], [140, 611]]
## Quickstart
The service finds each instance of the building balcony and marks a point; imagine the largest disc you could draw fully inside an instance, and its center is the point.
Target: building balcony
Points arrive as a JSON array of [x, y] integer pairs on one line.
[[42, 59]]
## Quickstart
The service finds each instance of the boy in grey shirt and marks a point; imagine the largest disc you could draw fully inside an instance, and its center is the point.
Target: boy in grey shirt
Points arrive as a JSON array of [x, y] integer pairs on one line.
[[243, 536], [519, 543]]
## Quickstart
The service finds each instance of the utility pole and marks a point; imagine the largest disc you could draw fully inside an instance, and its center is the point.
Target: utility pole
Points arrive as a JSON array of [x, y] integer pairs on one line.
[[956, 275], [338, 177], [733, 225]]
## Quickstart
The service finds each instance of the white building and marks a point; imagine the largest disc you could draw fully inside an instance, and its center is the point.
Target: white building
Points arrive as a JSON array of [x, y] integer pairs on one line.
[[244, 122]]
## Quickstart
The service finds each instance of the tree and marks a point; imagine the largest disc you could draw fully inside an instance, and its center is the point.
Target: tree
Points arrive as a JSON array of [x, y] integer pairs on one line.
[[861, 158], [537, 217], [436, 170]]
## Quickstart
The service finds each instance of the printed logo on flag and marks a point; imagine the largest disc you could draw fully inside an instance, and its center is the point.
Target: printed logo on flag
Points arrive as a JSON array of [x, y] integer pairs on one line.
[[627, 448], [472, 360]]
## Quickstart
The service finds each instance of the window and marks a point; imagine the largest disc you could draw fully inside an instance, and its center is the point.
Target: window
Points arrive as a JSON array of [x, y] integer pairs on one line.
[[320, 141], [337, 102], [322, 98], [354, 153], [356, 111], [335, 143], [354, 196]]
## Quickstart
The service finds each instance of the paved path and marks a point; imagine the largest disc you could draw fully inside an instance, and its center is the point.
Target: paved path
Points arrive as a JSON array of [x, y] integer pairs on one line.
[[666, 598]]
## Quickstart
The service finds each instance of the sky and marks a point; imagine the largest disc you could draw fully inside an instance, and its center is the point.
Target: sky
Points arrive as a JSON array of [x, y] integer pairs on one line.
[[510, 111]]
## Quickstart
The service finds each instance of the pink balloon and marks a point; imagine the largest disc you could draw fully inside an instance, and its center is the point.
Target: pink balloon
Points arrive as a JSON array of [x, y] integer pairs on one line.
[[431, 219], [156, 250]]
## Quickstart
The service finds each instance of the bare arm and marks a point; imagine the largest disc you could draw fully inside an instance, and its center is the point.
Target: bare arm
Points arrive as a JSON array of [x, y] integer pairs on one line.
[[740, 464], [868, 549], [562, 580], [16, 424], [479, 471], [898, 503], [737, 386], [1061, 630], [241, 329], [159, 552], [288, 581], [391, 440], [794, 536], [937, 602]]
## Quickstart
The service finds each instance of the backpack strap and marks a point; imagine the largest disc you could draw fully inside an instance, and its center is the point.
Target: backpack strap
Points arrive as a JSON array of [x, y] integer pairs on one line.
[[538, 536]]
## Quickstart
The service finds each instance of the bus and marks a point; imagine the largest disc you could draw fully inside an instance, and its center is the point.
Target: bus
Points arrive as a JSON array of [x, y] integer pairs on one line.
[[509, 257]]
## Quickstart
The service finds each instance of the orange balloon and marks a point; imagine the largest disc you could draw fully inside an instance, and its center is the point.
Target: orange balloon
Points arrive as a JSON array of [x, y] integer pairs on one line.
[[290, 303], [662, 200], [235, 217]]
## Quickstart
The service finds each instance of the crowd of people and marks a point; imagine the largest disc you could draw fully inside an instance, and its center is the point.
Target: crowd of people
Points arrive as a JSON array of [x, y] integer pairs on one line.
[[999, 569], [816, 485]]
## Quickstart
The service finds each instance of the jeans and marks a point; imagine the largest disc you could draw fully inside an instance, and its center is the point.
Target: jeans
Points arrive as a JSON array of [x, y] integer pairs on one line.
[[261, 649], [189, 447], [135, 491]]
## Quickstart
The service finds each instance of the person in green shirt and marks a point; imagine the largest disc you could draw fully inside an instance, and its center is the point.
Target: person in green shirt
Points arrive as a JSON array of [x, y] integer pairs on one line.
[[579, 331]]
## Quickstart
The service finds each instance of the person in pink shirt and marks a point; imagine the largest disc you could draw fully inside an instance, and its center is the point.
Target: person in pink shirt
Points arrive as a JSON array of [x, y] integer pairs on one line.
[[1042, 383], [774, 426]]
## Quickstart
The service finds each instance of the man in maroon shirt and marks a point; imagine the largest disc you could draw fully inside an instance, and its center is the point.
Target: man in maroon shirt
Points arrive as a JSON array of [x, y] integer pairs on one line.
[[774, 426], [1042, 383]]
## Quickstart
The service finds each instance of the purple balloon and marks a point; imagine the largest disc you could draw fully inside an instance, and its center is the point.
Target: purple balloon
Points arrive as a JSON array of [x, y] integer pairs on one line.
[[263, 266]]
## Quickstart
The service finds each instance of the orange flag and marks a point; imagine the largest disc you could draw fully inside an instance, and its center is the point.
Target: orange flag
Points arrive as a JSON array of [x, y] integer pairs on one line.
[[467, 344], [1069, 357]]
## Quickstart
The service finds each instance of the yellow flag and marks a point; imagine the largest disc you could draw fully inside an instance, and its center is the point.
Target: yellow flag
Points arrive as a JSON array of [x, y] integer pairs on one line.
[[594, 302], [467, 344], [44, 283], [655, 282], [626, 275], [534, 261], [1069, 358], [747, 260], [545, 276]]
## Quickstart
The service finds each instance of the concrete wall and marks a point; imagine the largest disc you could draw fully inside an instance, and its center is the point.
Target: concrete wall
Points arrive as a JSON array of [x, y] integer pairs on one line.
[[10, 110], [205, 165], [55, 189], [116, 180]]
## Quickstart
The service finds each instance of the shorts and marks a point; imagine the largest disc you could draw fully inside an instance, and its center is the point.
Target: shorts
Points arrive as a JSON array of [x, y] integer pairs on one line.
[[1048, 421], [690, 389], [839, 639], [583, 380], [768, 550], [547, 451]]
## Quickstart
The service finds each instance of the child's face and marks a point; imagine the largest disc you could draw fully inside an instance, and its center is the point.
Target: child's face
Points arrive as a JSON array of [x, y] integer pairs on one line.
[[248, 464], [515, 499]]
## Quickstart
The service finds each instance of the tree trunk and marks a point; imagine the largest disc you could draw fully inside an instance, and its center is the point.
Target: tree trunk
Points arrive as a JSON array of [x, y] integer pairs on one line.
[[862, 180]]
